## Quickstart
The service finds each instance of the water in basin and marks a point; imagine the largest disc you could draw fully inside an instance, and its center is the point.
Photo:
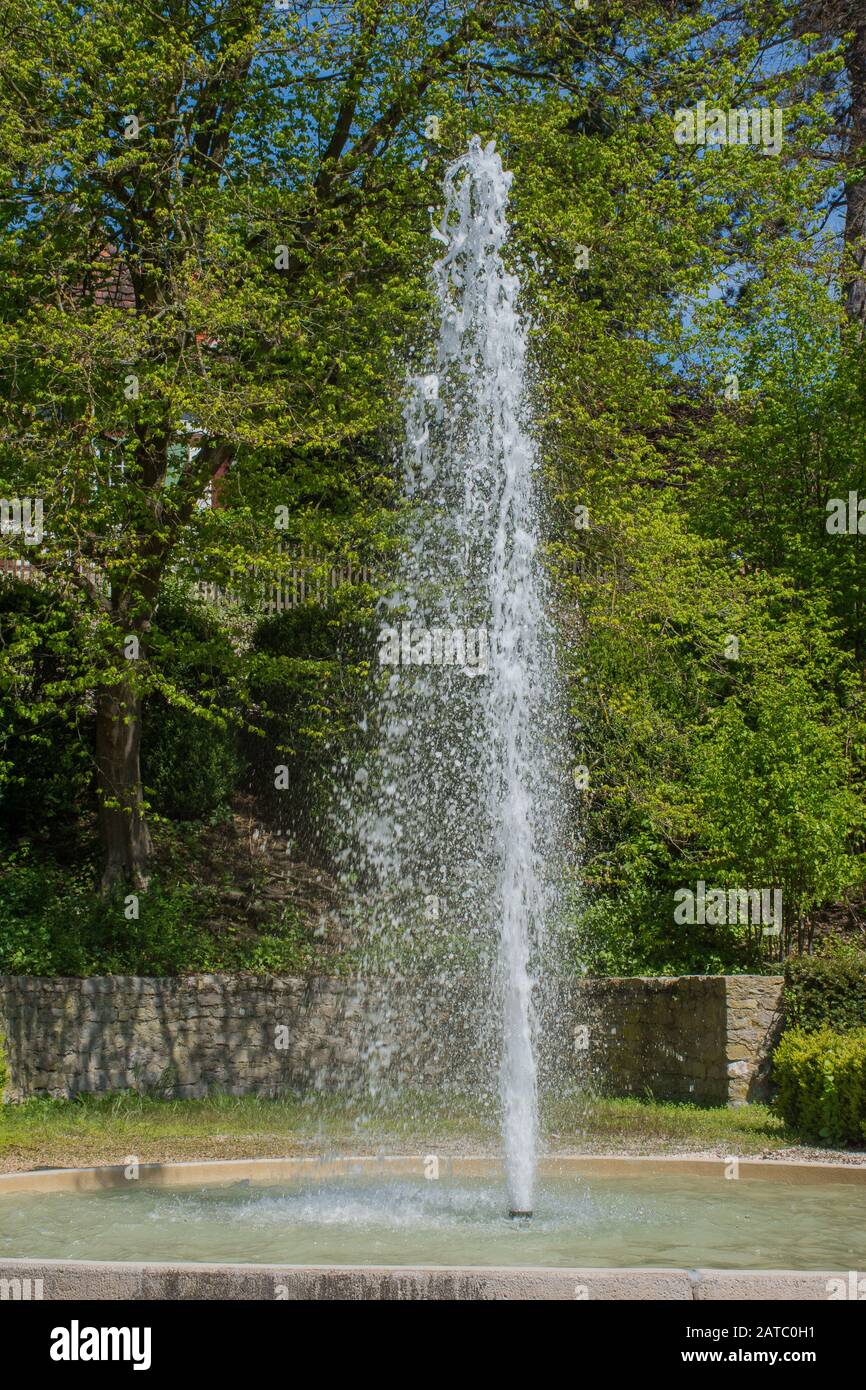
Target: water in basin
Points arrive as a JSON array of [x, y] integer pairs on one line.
[[370, 1219]]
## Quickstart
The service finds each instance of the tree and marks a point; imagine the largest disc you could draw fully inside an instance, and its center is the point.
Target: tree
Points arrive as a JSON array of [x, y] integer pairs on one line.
[[786, 750], [211, 247], [838, 20]]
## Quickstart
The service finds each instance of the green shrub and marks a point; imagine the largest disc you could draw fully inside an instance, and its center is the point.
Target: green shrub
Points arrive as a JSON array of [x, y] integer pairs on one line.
[[827, 989], [189, 763], [626, 926], [46, 755], [52, 922], [822, 1084], [308, 679]]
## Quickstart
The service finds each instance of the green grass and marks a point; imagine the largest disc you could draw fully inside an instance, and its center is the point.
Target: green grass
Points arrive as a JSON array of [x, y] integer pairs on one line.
[[93, 1130], [751, 1128]]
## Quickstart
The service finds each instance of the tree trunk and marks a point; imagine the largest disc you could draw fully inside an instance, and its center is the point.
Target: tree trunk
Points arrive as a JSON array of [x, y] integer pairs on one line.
[[123, 830], [126, 843], [833, 18], [855, 189]]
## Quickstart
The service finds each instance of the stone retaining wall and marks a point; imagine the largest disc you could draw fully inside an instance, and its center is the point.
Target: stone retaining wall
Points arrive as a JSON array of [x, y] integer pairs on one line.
[[704, 1038], [688, 1037]]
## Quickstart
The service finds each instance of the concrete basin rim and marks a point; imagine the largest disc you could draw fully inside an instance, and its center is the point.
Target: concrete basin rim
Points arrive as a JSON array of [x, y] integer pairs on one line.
[[188, 1171]]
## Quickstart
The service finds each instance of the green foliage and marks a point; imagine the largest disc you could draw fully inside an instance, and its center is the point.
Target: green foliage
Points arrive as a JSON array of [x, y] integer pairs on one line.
[[189, 759], [739, 772], [52, 923], [265, 129], [630, 931], [225, 284], [308, 672], [786, 743], [46, 728], [822, 1084], [827, 989], [189, 764]]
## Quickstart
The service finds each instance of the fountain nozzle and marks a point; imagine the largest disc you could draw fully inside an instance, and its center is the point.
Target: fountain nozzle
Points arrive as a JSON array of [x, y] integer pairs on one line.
[[519, 1215]]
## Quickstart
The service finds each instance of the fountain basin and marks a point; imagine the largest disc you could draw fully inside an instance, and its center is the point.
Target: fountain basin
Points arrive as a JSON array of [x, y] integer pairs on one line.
[[383, 1228]]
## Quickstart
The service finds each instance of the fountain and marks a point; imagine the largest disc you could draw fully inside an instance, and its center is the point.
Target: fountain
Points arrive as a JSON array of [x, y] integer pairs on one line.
[[466, 635], [453, 848]]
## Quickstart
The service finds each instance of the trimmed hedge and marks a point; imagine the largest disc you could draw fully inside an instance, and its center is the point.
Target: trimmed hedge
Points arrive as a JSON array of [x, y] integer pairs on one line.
[[822, 1084], [827, 989]]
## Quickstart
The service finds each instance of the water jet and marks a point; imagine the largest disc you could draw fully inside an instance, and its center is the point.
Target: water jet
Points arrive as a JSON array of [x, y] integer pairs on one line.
[[481, 842]]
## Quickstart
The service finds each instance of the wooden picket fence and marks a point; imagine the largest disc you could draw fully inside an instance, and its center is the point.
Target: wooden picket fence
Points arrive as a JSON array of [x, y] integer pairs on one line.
[[309, 580]]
